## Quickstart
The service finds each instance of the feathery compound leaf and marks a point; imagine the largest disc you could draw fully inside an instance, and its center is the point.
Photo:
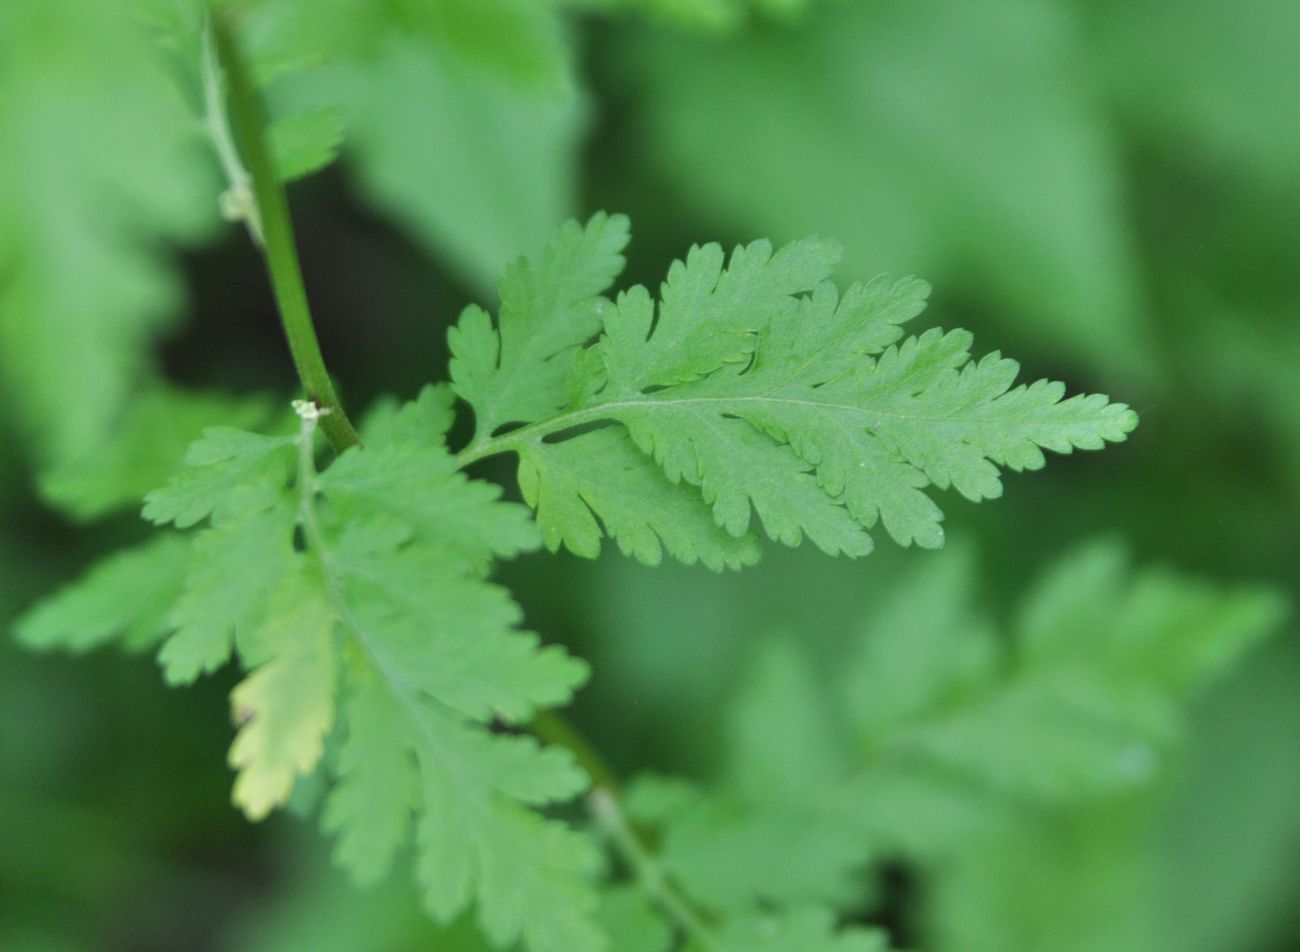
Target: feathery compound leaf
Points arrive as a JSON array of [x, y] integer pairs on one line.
[[380, 620], [757, 389], [370, 807], [531, 874], [945, 717]]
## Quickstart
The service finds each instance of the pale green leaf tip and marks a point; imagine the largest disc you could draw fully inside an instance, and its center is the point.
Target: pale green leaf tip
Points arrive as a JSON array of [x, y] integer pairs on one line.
[[1129, 420]]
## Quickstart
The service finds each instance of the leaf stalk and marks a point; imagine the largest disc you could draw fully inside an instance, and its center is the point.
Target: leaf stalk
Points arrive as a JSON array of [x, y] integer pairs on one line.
[[271, 209]]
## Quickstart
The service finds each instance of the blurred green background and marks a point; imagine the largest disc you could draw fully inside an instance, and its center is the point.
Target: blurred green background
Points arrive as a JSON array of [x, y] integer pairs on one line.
[[1109, 191]]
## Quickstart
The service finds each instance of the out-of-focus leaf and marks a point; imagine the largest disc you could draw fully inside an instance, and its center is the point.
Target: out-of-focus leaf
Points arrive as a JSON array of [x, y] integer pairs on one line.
[[143, 449], [477, 168], [306, 142], [960, 141], [1082, 883], [808, 929], [520, 40], [951, 740], [1085, 702], [1228, 829], [633, 924], [100, 166], [126, 596], [1197, 865], [714, 16]]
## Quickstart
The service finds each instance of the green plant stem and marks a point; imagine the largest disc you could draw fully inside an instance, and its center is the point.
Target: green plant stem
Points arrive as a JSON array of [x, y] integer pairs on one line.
[[279, 250], [649, 875], [238, 202], [507, 442]]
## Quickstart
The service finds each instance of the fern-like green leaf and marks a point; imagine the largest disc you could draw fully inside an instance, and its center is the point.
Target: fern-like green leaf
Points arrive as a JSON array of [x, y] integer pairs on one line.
[[380, 620], [756, 386]]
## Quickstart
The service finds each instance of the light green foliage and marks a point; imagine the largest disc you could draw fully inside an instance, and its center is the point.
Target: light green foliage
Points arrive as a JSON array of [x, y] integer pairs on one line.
[[782, 921], [1015, 766], [104, 163], [306, 142], [286, 706], [235, 566], [521, 40], [414, 480], [99, 167], [228, 472], [1081, 700], [1108, 901], [628, 500], [942, 730], [754, 383], [379, 620], [280, 39], [808, 929], [413, 87], [460, 119], [125, 598], [549, 309], [632, 922], [711, 309]]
